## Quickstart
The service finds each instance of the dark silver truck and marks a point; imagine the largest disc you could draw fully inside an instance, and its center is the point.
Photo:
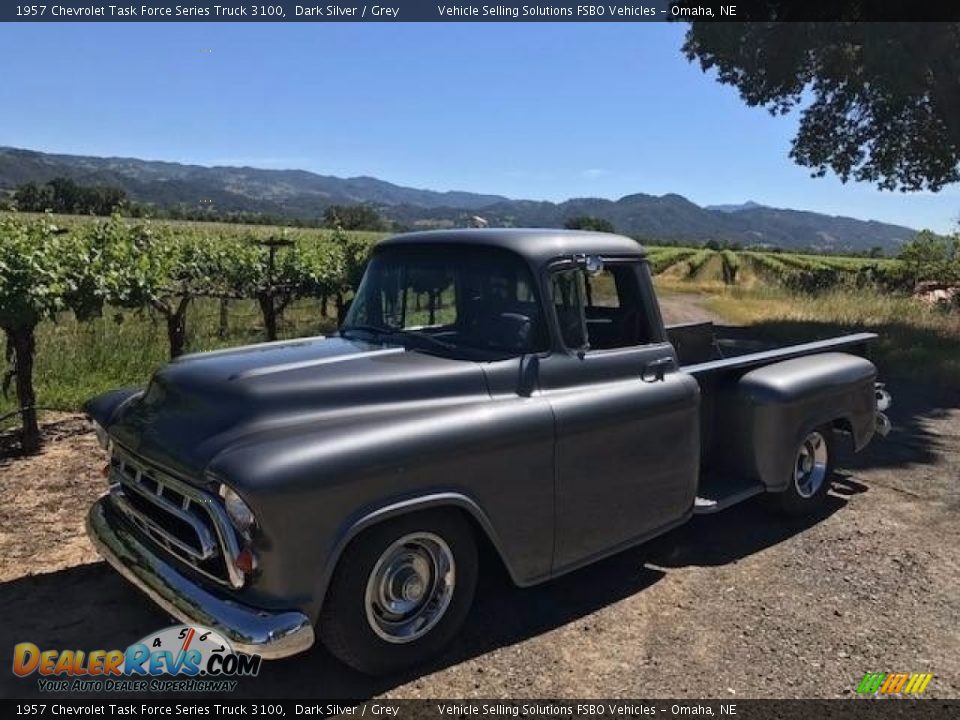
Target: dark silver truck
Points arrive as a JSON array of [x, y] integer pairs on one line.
[[514, 388]]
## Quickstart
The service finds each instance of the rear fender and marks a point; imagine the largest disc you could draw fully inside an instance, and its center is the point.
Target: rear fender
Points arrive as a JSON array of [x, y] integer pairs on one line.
[[773, 407]]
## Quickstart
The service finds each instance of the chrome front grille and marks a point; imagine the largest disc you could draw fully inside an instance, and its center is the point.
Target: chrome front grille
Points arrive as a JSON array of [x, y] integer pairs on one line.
[[180, 518]]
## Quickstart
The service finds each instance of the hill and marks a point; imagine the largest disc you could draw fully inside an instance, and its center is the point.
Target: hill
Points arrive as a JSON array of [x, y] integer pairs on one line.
[[301, 194]]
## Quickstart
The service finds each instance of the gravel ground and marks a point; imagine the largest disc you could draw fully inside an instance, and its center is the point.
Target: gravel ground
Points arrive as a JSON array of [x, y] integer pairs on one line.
[[740, 604]]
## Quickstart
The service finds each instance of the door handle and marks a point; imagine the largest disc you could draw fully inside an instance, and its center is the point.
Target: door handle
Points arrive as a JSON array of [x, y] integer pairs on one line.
[[654, 370]]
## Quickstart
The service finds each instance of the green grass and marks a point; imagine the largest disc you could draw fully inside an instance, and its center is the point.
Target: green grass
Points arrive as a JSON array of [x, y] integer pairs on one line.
[[75, 361]]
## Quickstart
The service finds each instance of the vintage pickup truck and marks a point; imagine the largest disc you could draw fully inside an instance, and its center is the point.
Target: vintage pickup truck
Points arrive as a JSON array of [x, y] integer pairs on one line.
[[509, 388]]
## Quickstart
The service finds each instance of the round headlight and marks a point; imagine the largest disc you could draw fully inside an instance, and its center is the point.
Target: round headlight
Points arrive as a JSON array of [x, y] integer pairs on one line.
[[238, 511]]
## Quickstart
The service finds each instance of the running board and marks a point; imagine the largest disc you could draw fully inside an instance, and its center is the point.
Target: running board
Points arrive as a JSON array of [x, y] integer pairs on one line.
[[717, 494]]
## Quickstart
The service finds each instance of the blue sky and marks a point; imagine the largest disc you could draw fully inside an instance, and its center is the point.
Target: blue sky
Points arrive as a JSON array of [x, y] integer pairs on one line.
[[541, 111]]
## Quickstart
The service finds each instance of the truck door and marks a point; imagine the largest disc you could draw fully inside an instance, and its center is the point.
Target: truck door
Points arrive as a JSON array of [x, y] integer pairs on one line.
[[627, 428]]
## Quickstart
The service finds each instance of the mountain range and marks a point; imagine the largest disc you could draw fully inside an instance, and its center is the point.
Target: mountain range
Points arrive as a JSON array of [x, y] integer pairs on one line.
[[301, 194]]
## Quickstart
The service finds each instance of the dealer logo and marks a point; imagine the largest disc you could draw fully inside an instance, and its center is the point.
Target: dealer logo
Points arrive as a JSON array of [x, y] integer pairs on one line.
[[894, 683], [185, 651]]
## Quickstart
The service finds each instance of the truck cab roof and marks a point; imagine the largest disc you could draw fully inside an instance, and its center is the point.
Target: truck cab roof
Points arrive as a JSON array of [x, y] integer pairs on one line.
[[537, 245]]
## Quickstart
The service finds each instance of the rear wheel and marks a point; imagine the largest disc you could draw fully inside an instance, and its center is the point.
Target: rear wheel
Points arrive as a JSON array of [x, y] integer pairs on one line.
[[810, 475], [400, 592]]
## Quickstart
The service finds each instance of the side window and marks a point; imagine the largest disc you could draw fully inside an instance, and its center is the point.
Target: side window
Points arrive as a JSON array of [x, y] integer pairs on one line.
[[602, 289], [567, 296], [609, 304], [614, 309]]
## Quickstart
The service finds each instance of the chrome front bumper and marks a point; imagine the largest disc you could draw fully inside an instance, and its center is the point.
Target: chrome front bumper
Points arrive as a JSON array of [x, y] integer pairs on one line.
[[268, 634]]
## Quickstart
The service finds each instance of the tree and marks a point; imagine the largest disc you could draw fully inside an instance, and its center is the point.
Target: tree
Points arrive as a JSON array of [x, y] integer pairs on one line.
[[930, 257], [43, 272], [30, 197], [587, 222], [353, 217], [63, 195], [885, 97]]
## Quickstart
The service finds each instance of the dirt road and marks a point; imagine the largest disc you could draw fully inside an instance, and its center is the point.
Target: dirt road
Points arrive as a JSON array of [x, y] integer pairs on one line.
[[740, 604]]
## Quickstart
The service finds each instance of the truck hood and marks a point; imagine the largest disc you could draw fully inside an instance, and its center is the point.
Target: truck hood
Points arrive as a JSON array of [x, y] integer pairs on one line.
[[199, 404]]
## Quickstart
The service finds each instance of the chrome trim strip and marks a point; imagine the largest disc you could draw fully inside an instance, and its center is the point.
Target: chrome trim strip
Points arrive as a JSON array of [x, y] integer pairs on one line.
[[249, 630], [228, 541], [783, 353]]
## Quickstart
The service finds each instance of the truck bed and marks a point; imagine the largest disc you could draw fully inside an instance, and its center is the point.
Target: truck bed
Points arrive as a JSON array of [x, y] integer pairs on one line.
[[718, 357], [705, 349]]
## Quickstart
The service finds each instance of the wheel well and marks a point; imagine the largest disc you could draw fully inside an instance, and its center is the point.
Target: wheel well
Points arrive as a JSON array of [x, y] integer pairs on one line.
[[487, 551], [845, 428], [488, 554]]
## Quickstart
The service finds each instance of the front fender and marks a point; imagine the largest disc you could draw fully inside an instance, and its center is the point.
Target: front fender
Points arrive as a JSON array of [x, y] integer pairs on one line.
[[106, 408], [316, 487]]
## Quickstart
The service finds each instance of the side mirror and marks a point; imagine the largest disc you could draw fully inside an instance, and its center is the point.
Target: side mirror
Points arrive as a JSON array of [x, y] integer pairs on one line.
[[592, 264], [529, 375]]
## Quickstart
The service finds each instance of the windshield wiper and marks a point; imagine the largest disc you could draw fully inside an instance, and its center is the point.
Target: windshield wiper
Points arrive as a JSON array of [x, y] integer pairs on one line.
[[383, 333], [429, 339], [377, 330]]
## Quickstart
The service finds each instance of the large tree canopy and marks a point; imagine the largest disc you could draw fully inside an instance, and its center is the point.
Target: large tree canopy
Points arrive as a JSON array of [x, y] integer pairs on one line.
[[879, 101]]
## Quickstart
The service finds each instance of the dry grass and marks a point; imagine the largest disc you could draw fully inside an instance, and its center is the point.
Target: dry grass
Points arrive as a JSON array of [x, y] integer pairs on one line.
[[916, 340]]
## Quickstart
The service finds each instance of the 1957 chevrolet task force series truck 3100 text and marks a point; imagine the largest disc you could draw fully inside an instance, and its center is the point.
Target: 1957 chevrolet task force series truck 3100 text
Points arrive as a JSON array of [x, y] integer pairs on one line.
[[514, 388]]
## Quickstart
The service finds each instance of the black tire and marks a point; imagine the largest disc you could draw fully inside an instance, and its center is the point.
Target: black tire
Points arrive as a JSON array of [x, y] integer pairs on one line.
[[344, 626], [802, 495]]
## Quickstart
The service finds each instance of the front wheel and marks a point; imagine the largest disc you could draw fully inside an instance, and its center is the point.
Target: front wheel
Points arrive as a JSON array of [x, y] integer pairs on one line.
[[400, 592], [810, 475]]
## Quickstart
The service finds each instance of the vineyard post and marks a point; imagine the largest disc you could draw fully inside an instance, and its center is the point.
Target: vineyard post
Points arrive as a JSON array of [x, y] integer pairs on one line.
[[21, 345], [176, 324], [224, 316], [267, 295], [265, 299]]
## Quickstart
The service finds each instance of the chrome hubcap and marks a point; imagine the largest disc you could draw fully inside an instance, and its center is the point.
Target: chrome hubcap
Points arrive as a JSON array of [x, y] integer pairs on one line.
[[410, 587], [810, 468]]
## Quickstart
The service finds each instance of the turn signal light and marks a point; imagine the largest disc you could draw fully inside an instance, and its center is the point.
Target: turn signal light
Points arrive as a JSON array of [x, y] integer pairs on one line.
[[246, 561]]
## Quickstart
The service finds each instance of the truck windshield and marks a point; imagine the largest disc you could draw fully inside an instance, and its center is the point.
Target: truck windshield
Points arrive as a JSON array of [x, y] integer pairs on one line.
[[448, 298]]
